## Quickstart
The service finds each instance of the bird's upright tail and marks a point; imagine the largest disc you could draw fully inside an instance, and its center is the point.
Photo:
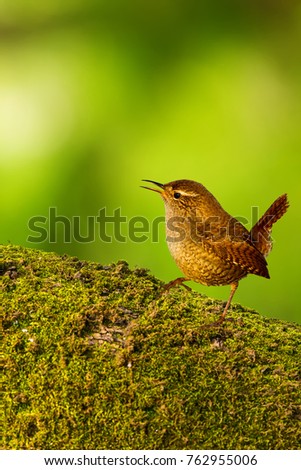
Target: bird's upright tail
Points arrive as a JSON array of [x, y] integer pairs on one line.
[[261, 232]]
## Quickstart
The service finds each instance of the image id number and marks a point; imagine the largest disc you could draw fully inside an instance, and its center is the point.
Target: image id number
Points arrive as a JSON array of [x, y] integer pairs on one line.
[[222, 459]]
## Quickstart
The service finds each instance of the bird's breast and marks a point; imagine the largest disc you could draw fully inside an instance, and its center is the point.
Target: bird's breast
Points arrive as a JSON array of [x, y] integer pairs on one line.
[[196, 262]]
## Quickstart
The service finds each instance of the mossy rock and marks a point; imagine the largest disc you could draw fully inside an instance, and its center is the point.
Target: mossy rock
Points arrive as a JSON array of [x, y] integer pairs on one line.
[[95, 357]]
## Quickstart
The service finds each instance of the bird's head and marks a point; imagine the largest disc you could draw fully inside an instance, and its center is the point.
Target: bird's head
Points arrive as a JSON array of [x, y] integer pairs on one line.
[[182, 197]]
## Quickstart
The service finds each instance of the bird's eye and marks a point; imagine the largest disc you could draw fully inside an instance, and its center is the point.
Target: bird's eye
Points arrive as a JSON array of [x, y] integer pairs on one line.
[[176, 195]]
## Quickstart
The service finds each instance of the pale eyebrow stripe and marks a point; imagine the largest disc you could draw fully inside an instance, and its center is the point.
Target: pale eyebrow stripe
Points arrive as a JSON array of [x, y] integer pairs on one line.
[[184, 193]]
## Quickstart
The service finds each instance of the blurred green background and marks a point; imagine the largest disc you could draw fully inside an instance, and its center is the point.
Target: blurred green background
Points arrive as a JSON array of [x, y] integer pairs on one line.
[[96, 95]]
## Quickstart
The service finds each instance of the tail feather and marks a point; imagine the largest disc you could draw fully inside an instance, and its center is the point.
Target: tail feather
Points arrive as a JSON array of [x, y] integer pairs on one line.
[[261, 232]]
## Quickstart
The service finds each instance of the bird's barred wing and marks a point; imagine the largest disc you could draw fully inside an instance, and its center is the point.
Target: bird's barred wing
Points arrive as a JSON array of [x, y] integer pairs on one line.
[[232, 243], [241, 254]]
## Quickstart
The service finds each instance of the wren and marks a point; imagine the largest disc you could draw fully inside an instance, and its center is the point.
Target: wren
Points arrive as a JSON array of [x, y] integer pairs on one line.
[[209, 245]]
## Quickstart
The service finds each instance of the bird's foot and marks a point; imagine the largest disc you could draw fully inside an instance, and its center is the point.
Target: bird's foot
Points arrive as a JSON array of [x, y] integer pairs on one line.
[[176, 282], [222, 318], [218, 322]]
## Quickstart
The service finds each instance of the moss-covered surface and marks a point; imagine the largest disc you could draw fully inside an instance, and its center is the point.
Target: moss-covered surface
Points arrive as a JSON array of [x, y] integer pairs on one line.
[[96, 358]]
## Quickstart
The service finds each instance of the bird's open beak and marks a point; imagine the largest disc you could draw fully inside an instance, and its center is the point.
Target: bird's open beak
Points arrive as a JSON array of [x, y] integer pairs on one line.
[[153, 189]]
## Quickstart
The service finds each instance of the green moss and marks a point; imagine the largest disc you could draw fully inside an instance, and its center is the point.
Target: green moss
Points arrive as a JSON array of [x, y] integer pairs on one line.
[[96, 358]]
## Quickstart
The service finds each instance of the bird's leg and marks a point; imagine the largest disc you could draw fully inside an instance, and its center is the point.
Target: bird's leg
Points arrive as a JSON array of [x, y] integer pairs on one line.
[[177, 282], [234, 286]]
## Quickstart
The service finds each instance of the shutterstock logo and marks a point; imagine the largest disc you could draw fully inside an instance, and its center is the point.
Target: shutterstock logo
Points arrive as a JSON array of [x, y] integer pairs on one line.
[[116, 227], [103, 226]]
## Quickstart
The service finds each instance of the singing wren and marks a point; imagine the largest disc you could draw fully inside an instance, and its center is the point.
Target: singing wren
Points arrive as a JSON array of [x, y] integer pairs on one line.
[[209, 245]]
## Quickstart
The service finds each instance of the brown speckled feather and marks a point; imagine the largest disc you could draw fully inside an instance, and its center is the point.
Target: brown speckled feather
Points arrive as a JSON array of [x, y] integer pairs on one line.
[[261, 232], [235, 247]]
